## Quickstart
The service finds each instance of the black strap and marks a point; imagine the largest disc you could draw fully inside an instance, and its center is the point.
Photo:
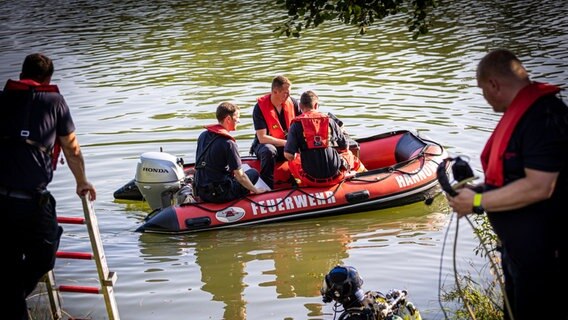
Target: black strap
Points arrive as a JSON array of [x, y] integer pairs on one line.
[[28, 111], [198, 164]]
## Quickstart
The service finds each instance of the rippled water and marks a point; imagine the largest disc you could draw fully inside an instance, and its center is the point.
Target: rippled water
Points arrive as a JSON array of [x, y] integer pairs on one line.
[[145, 75]]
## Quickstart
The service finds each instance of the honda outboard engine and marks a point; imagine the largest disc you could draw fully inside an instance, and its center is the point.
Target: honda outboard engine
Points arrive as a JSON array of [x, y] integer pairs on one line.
[[158, 176]]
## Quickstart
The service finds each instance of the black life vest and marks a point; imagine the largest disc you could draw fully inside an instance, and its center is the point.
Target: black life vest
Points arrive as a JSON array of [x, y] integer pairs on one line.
[[23, 135]]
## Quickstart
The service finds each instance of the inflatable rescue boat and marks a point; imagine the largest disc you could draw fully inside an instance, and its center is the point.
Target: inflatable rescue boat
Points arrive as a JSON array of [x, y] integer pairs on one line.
[[401, 170]]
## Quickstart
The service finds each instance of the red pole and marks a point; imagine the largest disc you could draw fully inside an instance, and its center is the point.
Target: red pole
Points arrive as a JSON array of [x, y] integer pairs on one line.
[[75, 255], [71, 220], [81, 289]]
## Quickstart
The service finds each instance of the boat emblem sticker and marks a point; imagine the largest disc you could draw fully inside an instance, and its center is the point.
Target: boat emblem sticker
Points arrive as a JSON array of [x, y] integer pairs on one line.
[[231, 214]]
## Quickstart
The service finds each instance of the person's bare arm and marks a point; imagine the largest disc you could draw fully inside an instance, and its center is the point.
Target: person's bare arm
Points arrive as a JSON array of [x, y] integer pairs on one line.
[[263, 137], [534, 187], [74, 157], [244, 180]]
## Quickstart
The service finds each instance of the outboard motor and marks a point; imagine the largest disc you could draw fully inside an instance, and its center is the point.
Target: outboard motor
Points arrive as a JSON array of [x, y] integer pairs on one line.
[[158, 176]]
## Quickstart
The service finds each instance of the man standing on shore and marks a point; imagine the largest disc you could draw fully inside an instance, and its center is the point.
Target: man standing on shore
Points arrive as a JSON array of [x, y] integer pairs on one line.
[[35, 124], [526, 184]]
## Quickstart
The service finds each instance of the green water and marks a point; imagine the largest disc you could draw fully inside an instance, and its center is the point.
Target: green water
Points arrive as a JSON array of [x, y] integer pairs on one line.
[[145, 75]]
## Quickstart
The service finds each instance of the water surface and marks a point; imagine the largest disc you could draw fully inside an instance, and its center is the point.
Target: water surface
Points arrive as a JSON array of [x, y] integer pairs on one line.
[[144, 75]]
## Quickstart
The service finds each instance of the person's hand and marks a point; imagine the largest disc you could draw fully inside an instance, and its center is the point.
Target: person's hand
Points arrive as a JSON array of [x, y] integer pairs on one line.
[[462, 203], [83, 188], [259, 190]]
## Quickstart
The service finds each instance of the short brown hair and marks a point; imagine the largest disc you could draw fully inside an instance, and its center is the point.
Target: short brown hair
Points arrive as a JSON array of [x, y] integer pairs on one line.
[[279, 81], [502, 63], [309, 99], [225, 109], [37, 67]]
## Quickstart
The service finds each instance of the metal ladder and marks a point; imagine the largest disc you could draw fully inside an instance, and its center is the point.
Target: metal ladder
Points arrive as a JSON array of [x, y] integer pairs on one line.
[[106, 277]]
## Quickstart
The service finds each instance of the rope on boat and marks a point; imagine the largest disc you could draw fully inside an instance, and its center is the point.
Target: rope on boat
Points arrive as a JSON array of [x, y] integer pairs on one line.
[[272, 205], [421, 156]]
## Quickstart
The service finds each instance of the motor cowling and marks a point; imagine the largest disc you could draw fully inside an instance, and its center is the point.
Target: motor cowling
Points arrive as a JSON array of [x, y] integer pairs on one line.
[[158, 176]]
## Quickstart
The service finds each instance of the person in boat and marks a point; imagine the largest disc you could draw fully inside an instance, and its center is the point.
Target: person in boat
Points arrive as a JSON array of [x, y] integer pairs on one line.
[[525, 162], [272, 115], [317, 148], [35, 124], [219, 176]]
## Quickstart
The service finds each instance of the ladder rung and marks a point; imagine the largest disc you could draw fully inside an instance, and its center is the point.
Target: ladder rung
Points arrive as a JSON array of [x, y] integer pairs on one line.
[[81, 289], [71, 220], [106, 278], [75, 255]]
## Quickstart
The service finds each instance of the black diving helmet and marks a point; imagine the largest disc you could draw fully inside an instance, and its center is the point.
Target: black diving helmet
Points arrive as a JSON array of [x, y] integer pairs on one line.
[[342, 284]]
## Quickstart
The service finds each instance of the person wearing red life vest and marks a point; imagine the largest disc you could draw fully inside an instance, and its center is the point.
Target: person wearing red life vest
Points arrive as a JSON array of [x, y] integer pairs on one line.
[[218, 173], [271, 117], [316, 147], [525, 162], [35, 124]]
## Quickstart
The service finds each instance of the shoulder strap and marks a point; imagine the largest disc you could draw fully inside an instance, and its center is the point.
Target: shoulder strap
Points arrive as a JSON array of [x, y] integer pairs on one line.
[[199, 163], [25, 132]]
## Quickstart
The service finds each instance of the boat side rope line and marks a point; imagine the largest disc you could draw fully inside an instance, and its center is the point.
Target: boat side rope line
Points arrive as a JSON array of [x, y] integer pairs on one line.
[[272, 205], [301, 191], [436, 144], [421, 156], [393, 169]]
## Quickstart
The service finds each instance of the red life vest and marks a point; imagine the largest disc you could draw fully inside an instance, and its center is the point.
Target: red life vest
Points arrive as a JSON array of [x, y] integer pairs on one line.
[[316, 129], [316, 134], [220, 130], [28, 84], [33, 86], [494, 151], [274, 128]]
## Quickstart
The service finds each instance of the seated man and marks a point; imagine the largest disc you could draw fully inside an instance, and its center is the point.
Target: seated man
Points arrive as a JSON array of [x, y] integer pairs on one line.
[[324, 157], [272, 116], [218, 173]]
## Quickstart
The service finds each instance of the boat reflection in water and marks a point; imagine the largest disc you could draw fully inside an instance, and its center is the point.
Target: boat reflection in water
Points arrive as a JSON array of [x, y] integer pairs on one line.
[[280, 261]]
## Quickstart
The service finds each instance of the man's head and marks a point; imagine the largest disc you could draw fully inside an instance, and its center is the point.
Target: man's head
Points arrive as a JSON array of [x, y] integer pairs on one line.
[[228, 115], [500, 75], [308, 101], [37, 67], [280, 90]]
